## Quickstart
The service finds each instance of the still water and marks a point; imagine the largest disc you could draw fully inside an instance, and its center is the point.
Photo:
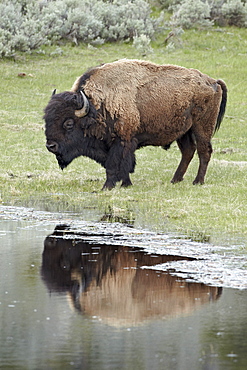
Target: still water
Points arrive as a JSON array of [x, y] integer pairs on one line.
[[68, 303]]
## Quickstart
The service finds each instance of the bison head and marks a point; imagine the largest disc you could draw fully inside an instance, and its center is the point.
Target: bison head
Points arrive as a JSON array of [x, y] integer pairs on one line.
[[65, 117]]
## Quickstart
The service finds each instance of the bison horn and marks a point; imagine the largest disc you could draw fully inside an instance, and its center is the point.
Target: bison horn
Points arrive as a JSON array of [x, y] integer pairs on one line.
[[85, 108]]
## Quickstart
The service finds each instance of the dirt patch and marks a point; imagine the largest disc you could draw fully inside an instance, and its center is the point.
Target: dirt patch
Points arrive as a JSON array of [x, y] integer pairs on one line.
[[231, 163]]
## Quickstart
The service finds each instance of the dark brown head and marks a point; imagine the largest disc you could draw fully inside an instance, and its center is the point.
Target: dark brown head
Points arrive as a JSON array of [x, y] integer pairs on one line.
[[65, 117]]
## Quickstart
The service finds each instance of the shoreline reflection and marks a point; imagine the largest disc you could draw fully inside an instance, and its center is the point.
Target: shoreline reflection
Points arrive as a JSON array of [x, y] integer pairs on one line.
[[107, 281]]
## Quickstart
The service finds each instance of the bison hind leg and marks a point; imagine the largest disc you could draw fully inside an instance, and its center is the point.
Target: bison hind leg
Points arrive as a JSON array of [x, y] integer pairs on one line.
[[187, 146], [204, 152]]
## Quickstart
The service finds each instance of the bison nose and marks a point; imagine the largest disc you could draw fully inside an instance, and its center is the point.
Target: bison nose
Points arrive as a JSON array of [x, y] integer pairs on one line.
[[52, 147]]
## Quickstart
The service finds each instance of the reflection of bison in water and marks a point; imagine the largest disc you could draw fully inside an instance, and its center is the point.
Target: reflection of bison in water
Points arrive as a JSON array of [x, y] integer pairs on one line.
[[106, 281], [118, 107]]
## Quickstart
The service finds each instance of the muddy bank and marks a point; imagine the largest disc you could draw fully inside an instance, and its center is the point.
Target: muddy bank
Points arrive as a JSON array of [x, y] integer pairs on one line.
[[213, 265]]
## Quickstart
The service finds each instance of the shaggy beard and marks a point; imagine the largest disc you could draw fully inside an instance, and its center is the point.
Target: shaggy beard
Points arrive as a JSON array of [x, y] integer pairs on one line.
[[62, 163], [65, 159]]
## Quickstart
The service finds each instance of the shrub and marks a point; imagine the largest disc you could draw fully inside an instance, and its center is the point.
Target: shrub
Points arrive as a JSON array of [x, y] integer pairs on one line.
[[188, 14], [26, 25], [192, 13], [235, 13], [163, 4], [142, 44]]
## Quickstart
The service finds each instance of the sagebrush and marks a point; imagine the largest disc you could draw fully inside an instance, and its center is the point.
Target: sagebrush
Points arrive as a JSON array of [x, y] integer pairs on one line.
[[26, 25], [203, 13]]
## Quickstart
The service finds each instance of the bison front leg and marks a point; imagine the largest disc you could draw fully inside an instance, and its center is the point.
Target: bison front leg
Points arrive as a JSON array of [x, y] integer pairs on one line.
[[120, 163], [187, 147], [111, 180]]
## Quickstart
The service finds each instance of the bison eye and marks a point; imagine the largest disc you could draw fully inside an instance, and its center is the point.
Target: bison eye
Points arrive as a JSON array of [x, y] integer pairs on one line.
[[69, 124]]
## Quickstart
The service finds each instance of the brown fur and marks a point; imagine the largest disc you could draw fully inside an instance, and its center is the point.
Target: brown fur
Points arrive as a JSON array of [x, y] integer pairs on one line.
[[144, 96], [133, 104]]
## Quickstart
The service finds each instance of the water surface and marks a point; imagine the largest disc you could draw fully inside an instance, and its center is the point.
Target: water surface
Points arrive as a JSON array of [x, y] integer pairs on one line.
[[68, 301]]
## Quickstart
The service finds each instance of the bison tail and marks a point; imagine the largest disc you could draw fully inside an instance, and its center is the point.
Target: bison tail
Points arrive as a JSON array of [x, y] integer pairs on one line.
[[222, 104]]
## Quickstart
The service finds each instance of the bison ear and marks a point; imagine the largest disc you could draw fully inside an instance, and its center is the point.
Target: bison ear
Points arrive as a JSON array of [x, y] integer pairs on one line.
[[85, 105]]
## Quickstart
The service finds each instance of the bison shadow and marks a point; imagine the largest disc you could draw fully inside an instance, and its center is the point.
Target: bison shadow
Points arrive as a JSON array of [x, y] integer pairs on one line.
[[107, 281]]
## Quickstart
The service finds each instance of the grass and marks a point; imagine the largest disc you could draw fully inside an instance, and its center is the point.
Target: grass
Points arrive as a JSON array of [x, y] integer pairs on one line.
[[29, 175]]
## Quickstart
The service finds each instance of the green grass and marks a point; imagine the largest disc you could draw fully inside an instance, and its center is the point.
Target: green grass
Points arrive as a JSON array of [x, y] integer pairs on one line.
[[29, 175]]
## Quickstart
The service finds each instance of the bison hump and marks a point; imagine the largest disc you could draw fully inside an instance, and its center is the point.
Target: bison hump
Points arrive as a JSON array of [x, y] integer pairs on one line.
[[118, 97]]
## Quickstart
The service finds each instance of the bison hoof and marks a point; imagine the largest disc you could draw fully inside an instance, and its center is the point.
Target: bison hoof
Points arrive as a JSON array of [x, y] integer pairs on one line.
[[176, 180], [198, 182], [126, 184], [109, 185], [105, 187]]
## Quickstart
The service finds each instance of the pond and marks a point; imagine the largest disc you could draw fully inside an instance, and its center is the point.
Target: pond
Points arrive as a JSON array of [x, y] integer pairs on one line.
[[92, 295]]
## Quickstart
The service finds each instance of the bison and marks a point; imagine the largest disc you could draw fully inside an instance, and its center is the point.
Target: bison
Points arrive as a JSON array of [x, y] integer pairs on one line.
[[118, 107]]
